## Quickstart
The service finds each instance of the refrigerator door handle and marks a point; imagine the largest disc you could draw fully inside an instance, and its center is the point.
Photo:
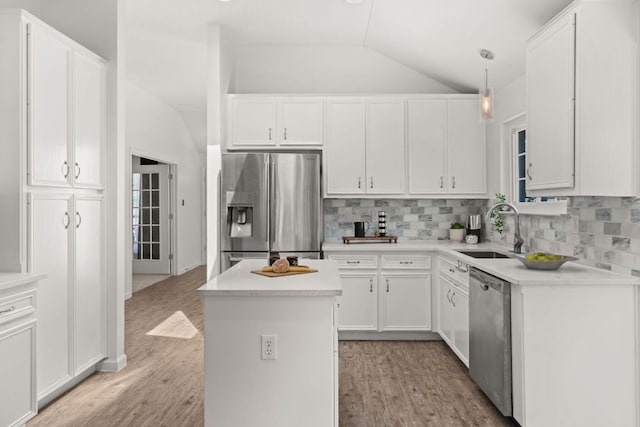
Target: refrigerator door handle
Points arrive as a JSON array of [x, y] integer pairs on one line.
[[271, 199]]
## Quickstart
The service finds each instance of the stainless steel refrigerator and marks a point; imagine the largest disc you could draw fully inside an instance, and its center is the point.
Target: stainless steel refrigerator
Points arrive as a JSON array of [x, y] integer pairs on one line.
[[270, 202]]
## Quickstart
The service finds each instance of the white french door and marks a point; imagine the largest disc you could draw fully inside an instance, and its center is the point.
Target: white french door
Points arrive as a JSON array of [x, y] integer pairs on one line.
[[150, 203]]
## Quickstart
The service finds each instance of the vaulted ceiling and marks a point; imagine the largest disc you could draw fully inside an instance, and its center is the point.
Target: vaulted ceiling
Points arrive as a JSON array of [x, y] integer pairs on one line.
[[166, 39]]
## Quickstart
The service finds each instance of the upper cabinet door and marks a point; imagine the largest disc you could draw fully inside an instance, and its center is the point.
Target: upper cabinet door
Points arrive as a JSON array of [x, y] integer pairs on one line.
[[300, 122], [426, 141], [253, 122], [466, 158], [88, 106], [345, 147], [48, 93], [385, 147], [550, 106]]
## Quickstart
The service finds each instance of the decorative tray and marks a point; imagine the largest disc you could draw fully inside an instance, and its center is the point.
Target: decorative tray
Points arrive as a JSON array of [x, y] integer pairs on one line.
[[380, 239]]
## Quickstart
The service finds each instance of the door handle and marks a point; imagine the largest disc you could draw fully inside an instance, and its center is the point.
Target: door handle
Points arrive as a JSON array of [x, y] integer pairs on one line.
[[79, 219], [387, 280], [452, 300], [65, 169], [77, 170], [269, 134], [529, 171], [359, 182], [453, 182], [285, 134], [441, 182], [370, 285], [66, 220], [448, 293], [372, 183]]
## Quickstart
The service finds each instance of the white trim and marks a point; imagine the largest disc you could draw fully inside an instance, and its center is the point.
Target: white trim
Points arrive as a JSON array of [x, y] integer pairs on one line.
[[112, 365]]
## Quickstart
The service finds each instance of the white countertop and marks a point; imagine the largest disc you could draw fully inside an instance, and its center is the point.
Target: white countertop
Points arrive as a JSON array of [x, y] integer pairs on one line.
[[240, 281], [10, 280], [571, 273]]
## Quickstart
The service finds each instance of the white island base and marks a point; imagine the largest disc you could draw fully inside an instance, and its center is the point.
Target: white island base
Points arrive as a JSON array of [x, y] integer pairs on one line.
[[299, 386]]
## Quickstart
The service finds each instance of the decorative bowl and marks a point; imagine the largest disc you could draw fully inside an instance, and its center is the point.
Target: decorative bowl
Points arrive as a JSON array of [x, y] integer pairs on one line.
[[537, 264]]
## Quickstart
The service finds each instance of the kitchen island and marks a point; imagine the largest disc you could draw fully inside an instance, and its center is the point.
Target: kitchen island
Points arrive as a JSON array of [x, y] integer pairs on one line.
[[271, 354]]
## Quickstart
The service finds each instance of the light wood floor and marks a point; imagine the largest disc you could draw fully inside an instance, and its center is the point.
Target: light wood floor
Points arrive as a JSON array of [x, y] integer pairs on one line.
[[381, 383]]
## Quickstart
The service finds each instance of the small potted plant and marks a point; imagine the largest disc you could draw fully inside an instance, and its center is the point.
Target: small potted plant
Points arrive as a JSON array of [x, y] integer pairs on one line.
[[456, 232]]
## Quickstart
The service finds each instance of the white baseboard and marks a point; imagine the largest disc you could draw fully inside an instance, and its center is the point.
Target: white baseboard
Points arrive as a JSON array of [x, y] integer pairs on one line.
[[112, 365], [388, 336], [128, 295]]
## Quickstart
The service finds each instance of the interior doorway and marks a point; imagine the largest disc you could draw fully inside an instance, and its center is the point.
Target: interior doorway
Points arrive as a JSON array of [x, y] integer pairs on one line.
[[151, 201]]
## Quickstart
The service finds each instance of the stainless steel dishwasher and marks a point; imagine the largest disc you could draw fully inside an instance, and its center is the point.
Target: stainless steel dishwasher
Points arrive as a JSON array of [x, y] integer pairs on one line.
[[490, 337]]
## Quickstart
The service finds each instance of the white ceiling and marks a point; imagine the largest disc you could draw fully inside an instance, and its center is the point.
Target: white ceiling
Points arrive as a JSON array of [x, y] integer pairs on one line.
[[166, 39]]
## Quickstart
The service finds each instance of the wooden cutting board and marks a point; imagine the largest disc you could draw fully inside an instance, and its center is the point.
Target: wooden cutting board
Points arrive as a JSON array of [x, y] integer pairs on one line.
[[288, 273]]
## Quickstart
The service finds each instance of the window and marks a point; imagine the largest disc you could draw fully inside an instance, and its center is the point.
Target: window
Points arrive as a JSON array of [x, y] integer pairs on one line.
[[514, 168]]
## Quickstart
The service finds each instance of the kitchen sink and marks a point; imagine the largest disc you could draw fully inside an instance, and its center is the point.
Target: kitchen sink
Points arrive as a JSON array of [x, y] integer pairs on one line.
[[484, 254]]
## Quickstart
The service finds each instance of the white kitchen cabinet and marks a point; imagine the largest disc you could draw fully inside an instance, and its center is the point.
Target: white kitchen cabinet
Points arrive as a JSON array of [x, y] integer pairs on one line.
[[406, 301], [66, 112], [582, 108], [88, 120], [89, 291], [50, 226], [427, 146], [453, 306], [446, 145], [385, 146], [345, 150], [384, 291], [48, 106], [358, 304], [365, 145], [66, 243], [17, 349], [257, 122]]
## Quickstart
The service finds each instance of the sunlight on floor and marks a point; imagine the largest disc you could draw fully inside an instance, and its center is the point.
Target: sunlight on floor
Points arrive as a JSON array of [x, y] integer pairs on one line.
[[175, 326]]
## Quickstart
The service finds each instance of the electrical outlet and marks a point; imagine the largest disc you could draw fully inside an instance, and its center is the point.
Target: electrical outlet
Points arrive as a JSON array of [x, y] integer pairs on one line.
[[269, 348]]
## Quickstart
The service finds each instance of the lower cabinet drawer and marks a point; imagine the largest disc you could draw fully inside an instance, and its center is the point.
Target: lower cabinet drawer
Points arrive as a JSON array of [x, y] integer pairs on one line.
[[406, 261], [16, 306], [355, 261]]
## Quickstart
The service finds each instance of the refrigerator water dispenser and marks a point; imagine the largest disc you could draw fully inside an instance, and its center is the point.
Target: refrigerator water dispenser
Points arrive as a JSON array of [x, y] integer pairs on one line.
[[239, 214]]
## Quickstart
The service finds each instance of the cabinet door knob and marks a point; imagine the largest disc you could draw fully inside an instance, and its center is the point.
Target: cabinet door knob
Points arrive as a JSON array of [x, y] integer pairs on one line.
[[65, 169]]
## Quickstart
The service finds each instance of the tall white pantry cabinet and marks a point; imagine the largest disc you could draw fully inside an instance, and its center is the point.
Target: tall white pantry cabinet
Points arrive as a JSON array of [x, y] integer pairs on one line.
[[52, 129]]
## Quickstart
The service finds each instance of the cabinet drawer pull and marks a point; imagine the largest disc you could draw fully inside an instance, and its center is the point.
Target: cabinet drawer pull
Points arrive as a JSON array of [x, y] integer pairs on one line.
[[65, 169], [8, 310], [353, 262], [406, 262], [66, 220], [387, 280], [77, 170]]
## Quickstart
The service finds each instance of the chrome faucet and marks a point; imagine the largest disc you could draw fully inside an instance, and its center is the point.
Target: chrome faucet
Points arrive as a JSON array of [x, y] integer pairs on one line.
[[517, 239]]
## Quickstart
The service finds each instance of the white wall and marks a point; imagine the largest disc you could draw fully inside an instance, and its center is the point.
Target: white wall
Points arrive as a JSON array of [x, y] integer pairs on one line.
[[325, 69], [509, 102], [157, 131]]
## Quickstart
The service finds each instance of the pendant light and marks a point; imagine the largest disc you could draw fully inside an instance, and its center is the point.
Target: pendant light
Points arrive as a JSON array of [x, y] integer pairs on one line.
[[486, 94]]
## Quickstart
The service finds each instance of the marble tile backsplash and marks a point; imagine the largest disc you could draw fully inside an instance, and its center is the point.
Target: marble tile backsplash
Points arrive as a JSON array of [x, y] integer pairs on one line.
[[602, 231], [409, 219]]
